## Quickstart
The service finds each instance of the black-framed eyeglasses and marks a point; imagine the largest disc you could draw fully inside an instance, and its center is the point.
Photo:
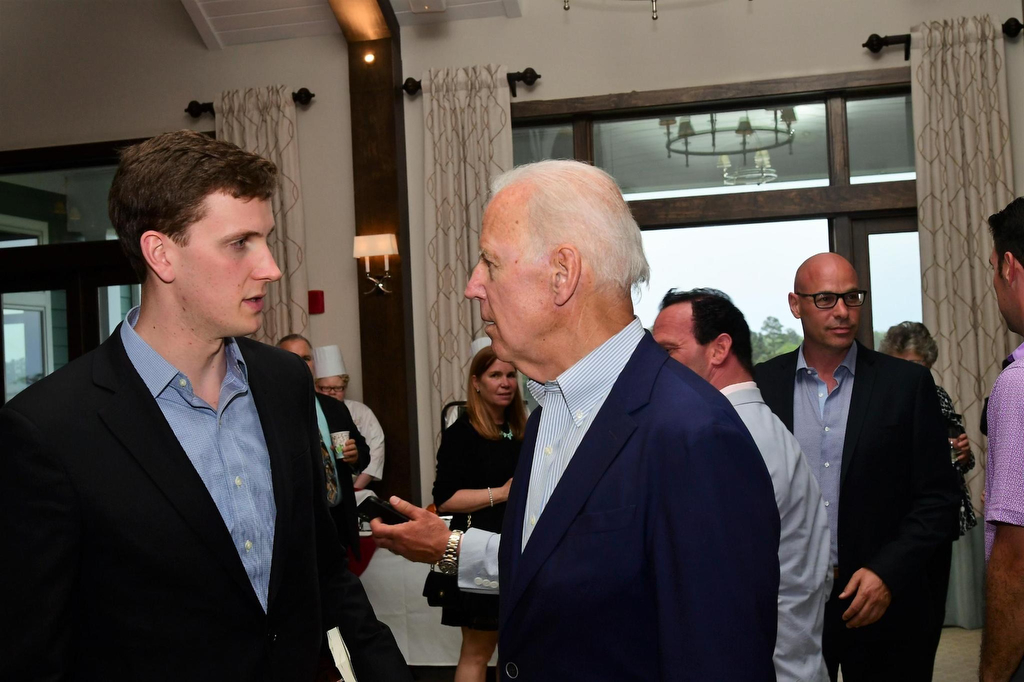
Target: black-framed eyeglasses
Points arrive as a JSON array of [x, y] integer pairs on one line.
[[826, 300]]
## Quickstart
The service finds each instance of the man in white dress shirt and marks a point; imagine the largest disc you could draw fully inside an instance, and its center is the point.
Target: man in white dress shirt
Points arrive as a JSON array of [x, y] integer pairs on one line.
[[704, 330]]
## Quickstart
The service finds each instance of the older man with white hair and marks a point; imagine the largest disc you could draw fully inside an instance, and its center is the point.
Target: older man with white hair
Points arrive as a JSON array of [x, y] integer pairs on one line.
[[641, 537]]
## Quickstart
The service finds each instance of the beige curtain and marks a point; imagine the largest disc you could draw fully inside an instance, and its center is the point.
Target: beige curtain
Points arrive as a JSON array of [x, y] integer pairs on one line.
[[964, 174], [262, 121], [468, 140]]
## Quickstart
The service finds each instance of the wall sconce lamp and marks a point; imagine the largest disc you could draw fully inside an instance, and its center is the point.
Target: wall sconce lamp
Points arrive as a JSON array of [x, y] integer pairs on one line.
[[376, 245]]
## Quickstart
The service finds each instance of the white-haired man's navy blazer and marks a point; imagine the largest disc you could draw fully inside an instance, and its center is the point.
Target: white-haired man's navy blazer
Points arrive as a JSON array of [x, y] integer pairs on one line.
[[656, 557]]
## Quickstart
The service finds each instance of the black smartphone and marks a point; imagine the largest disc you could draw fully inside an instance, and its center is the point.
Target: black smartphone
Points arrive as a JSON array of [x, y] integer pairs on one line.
[[376, 508]]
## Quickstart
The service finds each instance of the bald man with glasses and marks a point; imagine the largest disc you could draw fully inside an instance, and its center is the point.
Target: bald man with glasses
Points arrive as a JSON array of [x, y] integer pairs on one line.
[[872, 432]]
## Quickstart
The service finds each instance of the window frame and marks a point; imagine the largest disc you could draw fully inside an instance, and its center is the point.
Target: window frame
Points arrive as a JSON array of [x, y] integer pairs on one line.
[[844, 205], [79, 269]]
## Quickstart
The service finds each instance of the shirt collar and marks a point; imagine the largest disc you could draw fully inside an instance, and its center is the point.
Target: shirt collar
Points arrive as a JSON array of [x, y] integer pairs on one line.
[[741, 386], [849, 362], [591, 379], [157, 373], [1017, 354]]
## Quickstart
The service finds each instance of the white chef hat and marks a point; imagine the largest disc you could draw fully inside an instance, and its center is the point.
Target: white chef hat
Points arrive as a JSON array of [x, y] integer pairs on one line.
[[327, 362], [478, 345]]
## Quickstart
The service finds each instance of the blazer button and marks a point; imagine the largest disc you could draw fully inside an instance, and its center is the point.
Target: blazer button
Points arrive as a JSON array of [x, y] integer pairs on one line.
[[271, 637], [511, 670]]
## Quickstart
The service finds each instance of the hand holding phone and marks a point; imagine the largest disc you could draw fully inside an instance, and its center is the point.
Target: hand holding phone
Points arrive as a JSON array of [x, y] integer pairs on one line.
[[376, 508]]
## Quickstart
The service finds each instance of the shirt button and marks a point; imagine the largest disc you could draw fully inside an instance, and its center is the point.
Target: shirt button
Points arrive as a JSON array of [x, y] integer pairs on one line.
[[478, 581], [533, 520], [826, 429], [182, 383], [821, 395], [826, 503], [579, 414], [826, 465], [248, 544], [548, 450], [238, 480]]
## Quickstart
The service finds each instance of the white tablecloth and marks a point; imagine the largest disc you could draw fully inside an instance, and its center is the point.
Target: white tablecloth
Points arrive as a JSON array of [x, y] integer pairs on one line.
[[395, 589]]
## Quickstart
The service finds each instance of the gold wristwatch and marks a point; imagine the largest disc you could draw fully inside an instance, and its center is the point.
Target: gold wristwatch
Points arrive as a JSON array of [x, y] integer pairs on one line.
[[449, 561]]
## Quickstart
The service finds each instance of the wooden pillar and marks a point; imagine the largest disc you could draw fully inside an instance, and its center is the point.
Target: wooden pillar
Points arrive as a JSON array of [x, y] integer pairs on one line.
[[381, 206]]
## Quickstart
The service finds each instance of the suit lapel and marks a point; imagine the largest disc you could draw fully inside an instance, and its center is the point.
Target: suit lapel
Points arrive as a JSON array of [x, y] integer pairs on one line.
[[512, 527], [860, 401], [779, 389], [261, 385], [134, 417], [608, 433]]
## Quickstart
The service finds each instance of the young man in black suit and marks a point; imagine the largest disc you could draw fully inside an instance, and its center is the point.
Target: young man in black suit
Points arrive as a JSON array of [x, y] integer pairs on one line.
[[873, 434], [162, 510]]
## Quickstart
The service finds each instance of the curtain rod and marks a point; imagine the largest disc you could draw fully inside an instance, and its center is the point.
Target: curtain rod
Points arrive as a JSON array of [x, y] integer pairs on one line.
[[1011, 28], [196, 109], [527, 76]]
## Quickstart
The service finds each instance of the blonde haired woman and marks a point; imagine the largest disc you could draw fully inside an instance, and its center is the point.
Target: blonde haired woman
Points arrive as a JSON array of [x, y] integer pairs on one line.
[[475, 463]]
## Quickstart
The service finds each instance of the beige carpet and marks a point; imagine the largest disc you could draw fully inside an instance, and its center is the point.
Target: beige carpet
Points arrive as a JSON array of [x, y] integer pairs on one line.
[[958, 655]]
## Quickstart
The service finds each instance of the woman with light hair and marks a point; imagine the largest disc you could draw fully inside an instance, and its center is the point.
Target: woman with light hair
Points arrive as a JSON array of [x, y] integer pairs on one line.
[[913, 342], [475, 463]]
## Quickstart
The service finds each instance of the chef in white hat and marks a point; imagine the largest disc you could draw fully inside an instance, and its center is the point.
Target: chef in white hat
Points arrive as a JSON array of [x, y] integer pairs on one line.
[[332, 379]]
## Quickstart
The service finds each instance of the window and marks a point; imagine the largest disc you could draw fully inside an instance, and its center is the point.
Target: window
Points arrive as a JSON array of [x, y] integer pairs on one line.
[[724, 152], [56, 255], [895, 280], [65, 205], [35, 337], [762, 259], [537, 143], [825, 156], [881, 132]]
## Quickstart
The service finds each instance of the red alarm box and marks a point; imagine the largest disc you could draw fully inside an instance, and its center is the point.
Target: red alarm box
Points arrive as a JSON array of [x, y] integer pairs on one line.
[[316, 302]]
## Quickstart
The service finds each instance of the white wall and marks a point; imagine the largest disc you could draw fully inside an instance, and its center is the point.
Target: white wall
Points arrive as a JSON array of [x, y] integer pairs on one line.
[[611, 46], [92, 70]]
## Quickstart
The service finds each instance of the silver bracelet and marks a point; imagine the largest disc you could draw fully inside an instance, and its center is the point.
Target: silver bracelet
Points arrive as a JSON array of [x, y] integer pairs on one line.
[[490, 496]]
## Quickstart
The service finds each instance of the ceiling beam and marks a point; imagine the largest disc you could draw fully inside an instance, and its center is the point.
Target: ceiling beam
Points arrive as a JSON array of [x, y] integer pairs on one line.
[[361, 19]]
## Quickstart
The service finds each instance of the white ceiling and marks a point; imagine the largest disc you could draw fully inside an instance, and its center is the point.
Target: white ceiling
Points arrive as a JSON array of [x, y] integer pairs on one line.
[[223, 23], [456, 10]]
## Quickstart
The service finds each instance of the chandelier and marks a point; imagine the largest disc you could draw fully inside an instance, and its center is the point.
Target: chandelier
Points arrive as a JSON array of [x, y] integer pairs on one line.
[[753, 143]]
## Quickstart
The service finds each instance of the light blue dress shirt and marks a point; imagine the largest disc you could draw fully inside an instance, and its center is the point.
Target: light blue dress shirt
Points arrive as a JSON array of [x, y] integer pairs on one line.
[[226, 446], [819, 424], [569, 404]]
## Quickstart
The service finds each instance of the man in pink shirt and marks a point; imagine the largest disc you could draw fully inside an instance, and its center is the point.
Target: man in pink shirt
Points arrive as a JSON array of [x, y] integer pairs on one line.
[[1002, 647]]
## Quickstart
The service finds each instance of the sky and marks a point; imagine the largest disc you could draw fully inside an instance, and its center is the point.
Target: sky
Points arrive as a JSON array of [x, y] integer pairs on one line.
[[755, 264]]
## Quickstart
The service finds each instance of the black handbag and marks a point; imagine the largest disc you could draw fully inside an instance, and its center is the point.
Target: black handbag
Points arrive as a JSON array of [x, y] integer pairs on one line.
[[441, 590]]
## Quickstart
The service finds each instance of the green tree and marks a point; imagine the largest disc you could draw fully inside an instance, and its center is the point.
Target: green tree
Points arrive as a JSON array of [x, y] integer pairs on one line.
[[773, 340]]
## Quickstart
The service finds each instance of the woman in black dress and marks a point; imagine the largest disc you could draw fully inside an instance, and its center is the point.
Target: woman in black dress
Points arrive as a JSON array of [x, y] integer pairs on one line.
[[912, 341], [475, 463]]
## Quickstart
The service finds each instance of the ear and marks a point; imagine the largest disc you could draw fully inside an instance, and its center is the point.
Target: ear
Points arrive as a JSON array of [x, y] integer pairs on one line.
[[794, 305], [718, 350], [158, 249], [567, 270], [1011, 268], [476, 384]]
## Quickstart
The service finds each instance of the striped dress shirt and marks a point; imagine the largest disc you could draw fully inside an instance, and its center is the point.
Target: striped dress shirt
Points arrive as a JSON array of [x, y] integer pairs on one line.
[[819, 424], [570, 403], [226, 446]]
